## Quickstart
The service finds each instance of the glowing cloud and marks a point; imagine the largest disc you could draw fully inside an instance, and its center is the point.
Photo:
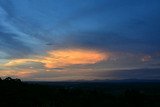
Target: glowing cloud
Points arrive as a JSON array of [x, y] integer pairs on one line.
[[71, 57], [62, 58]]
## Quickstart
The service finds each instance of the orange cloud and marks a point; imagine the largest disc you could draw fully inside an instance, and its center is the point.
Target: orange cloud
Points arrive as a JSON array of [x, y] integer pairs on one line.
[[71, 57], [67, 57]]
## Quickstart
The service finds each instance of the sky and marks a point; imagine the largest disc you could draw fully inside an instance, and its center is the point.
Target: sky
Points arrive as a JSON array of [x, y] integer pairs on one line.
[[59, 40]]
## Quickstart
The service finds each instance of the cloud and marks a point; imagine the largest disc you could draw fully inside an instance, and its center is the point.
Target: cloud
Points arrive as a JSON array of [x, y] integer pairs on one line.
[[122, 41], [71, 57], [62, 58], [18, 73], [16, 62]]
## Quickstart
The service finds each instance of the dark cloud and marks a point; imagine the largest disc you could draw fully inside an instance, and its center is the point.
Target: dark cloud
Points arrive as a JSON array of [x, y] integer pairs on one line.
[[113, 42], [134, 27]]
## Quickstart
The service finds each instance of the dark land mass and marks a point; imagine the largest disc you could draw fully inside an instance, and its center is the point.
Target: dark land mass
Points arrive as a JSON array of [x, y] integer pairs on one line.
[[106, 93]]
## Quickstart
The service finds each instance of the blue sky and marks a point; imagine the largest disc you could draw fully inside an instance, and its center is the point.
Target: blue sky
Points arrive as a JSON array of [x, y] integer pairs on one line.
[[55, 39]]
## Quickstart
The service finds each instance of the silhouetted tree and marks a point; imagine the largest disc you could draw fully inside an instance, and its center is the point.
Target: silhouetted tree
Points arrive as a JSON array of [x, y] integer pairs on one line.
[[17, 80], [8, 79]]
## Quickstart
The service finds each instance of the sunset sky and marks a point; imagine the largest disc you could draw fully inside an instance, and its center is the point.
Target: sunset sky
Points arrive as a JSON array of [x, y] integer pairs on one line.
[[57, 40]]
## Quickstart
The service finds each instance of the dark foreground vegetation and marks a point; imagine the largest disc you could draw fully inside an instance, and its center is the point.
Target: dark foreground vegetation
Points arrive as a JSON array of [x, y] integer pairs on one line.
[[14, 93]]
